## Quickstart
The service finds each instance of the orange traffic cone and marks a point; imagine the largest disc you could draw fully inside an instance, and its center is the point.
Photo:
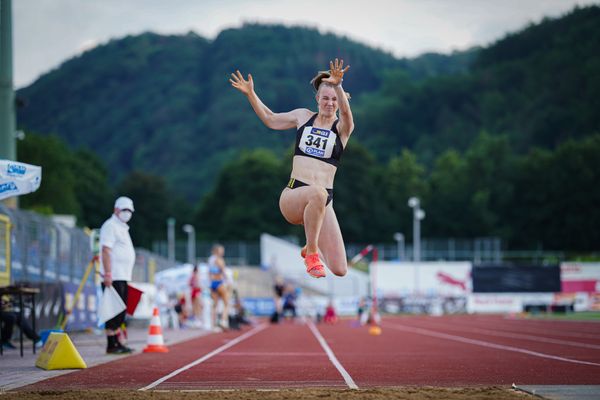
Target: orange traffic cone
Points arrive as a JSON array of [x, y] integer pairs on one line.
[[155, 337]]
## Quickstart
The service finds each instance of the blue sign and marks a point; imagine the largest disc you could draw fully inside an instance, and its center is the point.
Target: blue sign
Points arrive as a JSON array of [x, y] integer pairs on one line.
[[15, 169], [259, 306], [315, 152], [8, 187]]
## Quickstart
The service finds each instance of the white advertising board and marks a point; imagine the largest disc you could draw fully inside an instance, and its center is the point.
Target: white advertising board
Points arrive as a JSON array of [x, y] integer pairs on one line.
[[505, 302], [398, 279]]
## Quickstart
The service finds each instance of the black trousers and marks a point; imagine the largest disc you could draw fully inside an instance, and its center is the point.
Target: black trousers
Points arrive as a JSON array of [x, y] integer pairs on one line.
[[116, 322], [8, 319]]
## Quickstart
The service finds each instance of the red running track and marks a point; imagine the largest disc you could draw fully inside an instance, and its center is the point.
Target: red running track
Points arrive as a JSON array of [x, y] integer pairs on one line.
[[433, 351]]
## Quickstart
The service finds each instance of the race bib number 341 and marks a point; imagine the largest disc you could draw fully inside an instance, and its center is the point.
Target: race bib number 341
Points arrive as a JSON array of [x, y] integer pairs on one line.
[[317, 142]]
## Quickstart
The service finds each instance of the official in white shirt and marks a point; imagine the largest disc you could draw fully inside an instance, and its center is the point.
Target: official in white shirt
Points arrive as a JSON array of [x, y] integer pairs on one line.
[[117, 260]]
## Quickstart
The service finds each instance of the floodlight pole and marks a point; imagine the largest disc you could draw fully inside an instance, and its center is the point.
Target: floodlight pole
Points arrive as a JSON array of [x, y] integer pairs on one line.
[[171, 239], [399, 238], [418, 215], [191, 245]]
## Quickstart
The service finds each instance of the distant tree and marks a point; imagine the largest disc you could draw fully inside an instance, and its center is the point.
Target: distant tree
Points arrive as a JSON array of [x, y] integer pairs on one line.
[[557, 196], [357, 195], [403, 178], [446, 206], [94, 195], [489, 169], [470, 193], [245, 200], [57, 193]]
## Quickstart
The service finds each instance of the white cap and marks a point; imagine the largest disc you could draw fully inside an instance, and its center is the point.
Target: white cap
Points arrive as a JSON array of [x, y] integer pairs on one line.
[[124, 203]]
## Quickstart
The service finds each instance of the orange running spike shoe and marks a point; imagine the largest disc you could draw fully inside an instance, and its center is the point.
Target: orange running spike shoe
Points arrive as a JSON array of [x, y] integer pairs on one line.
[[314, 266], [303, 252]]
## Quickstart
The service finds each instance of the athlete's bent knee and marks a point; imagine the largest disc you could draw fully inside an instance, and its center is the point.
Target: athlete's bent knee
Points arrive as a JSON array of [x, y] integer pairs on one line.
[[340, 273], [339, 269]]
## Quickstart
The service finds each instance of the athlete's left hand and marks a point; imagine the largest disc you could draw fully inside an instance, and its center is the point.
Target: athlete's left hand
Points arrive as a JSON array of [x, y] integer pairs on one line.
[[245, 86], [336, 71]]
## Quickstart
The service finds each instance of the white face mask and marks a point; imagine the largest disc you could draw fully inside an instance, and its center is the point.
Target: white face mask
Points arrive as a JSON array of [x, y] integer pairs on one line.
[[125, 216]]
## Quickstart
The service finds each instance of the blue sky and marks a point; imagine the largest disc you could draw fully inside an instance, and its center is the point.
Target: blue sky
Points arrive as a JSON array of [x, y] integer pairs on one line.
[[48, 32]]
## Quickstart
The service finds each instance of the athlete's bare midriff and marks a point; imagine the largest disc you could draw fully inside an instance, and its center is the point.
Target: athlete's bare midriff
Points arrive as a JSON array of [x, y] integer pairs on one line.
[[313, 172]]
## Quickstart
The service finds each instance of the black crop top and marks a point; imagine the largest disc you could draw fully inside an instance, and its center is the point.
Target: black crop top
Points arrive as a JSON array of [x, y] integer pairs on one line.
[[319, 143]]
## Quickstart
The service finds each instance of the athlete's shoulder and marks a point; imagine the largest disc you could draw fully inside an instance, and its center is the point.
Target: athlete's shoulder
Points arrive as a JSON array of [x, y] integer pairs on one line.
[[304, 115]]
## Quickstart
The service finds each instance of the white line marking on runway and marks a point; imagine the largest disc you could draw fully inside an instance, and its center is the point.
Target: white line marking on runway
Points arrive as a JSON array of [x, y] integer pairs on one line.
[[206, 357], [462, 328], [332, 358], [526, 326], [462, 339], [272, 354]]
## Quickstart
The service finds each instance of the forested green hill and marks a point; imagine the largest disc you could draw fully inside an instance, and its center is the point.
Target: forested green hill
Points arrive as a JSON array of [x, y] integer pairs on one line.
[[163, 104], [539, 86]]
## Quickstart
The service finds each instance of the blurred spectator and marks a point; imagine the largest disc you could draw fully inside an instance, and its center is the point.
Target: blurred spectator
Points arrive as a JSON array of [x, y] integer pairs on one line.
[[219, 288], [278, 288], [330, 314], [180, 309], [8, 319], [237, 317], [362, 306], [196, 294], [289, 301]]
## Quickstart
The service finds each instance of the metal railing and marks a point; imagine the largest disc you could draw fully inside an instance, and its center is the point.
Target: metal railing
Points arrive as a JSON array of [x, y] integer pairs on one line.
[[5, 227], [237, 253], [45, 251]]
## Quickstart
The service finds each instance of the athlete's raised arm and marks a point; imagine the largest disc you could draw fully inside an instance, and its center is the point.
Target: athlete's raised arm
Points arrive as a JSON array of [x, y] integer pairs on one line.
[[278, 121], [337, 71]]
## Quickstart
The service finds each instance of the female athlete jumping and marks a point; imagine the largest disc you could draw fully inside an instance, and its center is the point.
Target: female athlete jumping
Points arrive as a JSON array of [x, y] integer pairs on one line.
[[320, 141]]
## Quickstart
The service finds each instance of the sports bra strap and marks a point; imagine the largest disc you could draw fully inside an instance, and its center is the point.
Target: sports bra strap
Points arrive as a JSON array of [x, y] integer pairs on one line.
[[311, 120]]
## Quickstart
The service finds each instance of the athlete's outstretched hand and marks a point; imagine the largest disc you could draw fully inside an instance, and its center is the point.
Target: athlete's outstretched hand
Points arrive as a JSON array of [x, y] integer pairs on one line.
[[336, 72], [238, 82]]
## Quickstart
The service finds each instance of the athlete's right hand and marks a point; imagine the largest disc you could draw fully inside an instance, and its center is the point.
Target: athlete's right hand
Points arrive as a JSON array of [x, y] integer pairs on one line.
[[238, 82], [107, 279]]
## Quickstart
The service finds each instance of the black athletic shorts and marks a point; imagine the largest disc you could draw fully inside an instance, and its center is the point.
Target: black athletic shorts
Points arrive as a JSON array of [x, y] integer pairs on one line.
[[295, 183]]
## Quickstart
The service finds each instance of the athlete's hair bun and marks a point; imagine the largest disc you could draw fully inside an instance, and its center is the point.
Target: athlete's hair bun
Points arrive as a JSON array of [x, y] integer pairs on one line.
[[316, 81]]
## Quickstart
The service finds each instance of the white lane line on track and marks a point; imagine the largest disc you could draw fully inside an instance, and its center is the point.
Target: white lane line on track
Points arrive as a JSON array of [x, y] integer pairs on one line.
[[521, 336], [272, 354], [332, 357], [532, 329], [245, 384], [522, 326], [206, 357], [482, 343]]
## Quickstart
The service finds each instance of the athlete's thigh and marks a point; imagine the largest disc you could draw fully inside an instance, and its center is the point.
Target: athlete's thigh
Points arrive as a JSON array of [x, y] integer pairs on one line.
[[223, 294], [292, 202], [331, 243]]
